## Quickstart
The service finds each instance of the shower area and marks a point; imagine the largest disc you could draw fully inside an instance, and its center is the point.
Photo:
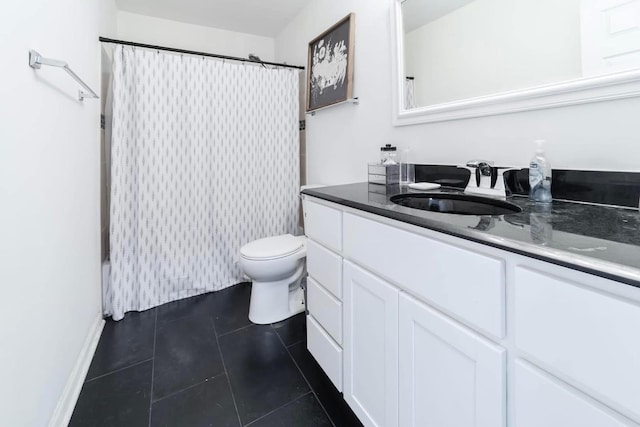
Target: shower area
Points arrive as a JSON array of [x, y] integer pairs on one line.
[[199, 156]]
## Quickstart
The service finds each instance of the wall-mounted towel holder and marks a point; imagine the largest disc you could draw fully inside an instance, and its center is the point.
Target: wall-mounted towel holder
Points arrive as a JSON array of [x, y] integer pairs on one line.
[[355, 101], [36, 61]]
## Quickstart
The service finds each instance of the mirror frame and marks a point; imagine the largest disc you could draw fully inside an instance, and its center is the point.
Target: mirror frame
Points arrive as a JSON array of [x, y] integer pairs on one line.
[[570, 92]]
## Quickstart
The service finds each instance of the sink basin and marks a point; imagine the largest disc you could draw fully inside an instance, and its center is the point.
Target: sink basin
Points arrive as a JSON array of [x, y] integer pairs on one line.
[[455, 203]]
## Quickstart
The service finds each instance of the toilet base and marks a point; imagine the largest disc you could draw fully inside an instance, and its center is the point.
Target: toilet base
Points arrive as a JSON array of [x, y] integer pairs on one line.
[[275, 301]]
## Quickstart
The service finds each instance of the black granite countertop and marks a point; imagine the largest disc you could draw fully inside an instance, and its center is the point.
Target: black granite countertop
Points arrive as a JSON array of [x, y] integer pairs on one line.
[[596, 239]]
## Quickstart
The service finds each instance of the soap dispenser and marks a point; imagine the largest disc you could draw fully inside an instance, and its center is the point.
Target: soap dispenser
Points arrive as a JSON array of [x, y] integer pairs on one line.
[[540, 176]]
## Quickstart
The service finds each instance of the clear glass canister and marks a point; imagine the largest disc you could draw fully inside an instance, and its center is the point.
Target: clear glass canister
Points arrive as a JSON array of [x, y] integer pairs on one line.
[[407, 169]]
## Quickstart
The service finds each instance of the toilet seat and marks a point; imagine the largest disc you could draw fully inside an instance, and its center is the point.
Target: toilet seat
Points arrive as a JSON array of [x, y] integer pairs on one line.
[[272, 247]]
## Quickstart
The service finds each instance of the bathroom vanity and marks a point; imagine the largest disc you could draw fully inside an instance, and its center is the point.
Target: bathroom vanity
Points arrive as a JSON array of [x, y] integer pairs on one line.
[[429, 319]]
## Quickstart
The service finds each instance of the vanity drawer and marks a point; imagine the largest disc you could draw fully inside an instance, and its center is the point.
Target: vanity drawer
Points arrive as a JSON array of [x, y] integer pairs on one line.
[[325, 267], [325, 308], [323, 224], [585, 336], [326, 352], [468, 284]]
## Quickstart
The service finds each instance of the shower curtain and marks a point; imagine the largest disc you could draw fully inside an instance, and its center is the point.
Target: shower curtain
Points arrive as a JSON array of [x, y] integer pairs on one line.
[[409, 93], [205, 158]]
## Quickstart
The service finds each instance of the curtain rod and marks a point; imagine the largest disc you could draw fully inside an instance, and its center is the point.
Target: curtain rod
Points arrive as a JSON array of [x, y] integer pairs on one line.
[[192, 52]]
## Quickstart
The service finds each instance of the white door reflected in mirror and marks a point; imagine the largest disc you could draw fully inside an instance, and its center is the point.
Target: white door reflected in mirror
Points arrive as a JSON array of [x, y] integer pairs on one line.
[[461, 53]]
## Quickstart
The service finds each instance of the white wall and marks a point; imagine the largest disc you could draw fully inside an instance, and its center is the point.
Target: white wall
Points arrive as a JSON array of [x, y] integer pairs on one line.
[[163, 32], [49, 192], [342, 139], [509, 44]]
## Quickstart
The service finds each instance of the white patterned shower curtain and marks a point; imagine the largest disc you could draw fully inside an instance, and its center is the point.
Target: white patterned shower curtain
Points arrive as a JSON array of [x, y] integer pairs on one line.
[[409, 93], [205, 158]]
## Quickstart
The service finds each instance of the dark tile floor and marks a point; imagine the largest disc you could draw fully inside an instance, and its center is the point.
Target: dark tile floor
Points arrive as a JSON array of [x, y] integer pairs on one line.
[[200, 362]]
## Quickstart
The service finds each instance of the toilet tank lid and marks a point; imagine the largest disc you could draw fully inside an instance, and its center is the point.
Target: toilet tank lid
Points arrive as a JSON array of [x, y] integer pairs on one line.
[[273, 247]]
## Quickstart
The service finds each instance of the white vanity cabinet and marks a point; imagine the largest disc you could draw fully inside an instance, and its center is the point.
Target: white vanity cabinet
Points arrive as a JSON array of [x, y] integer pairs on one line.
[[441, 331], [407, 363]]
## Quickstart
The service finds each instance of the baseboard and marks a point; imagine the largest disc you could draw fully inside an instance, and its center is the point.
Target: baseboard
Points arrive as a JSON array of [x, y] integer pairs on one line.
[[67, 402]]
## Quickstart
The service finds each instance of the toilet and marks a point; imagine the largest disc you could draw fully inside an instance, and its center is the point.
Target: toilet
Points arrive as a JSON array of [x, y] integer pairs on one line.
[[276, 266]]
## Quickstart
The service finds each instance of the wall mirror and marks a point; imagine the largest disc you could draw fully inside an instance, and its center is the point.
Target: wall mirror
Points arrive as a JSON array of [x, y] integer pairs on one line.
[[456, 59]]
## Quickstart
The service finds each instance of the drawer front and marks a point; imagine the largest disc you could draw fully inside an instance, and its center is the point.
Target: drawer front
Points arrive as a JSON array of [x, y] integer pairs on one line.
[[325, 267], [323, 224], [544, 401], [589, 338], [325, 308], [465, 283], [326, 352]]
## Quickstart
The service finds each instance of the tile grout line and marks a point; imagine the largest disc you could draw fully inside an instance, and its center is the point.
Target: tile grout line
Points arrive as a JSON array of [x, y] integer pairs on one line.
[[118, 370], [278, 408], [233, 331], [153, 365], [224, 365], [187, 388], [303, 376], [294, 343]]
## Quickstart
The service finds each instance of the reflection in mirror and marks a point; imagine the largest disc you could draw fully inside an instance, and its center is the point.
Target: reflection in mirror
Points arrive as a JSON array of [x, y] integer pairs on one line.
[[460, 49]]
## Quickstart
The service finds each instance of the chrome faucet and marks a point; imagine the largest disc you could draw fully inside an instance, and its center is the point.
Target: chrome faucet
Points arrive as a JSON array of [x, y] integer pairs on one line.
[[489, 180], [482, 168]]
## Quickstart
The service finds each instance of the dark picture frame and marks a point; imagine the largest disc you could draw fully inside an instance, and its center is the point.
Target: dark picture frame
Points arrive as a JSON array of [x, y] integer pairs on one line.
[[330, 65]]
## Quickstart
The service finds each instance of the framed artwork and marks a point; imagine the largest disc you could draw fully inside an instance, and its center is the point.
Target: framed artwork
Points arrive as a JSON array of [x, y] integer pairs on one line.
[[330, 65]]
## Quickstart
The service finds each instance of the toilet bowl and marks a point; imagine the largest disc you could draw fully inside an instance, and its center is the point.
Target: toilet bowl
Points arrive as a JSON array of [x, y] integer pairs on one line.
[[276, 266]]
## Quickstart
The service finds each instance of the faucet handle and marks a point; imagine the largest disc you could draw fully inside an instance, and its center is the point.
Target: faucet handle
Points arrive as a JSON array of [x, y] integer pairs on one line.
[[479, 163], [500, 184], [482, 167]]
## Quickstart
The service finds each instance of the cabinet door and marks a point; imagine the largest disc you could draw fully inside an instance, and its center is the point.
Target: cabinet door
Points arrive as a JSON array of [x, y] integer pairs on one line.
[[370, 347], [449, 375], [541, 400]]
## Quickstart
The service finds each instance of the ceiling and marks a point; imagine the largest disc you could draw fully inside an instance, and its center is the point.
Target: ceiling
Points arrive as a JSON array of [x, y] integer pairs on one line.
[[416, 13], [260, 17]]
